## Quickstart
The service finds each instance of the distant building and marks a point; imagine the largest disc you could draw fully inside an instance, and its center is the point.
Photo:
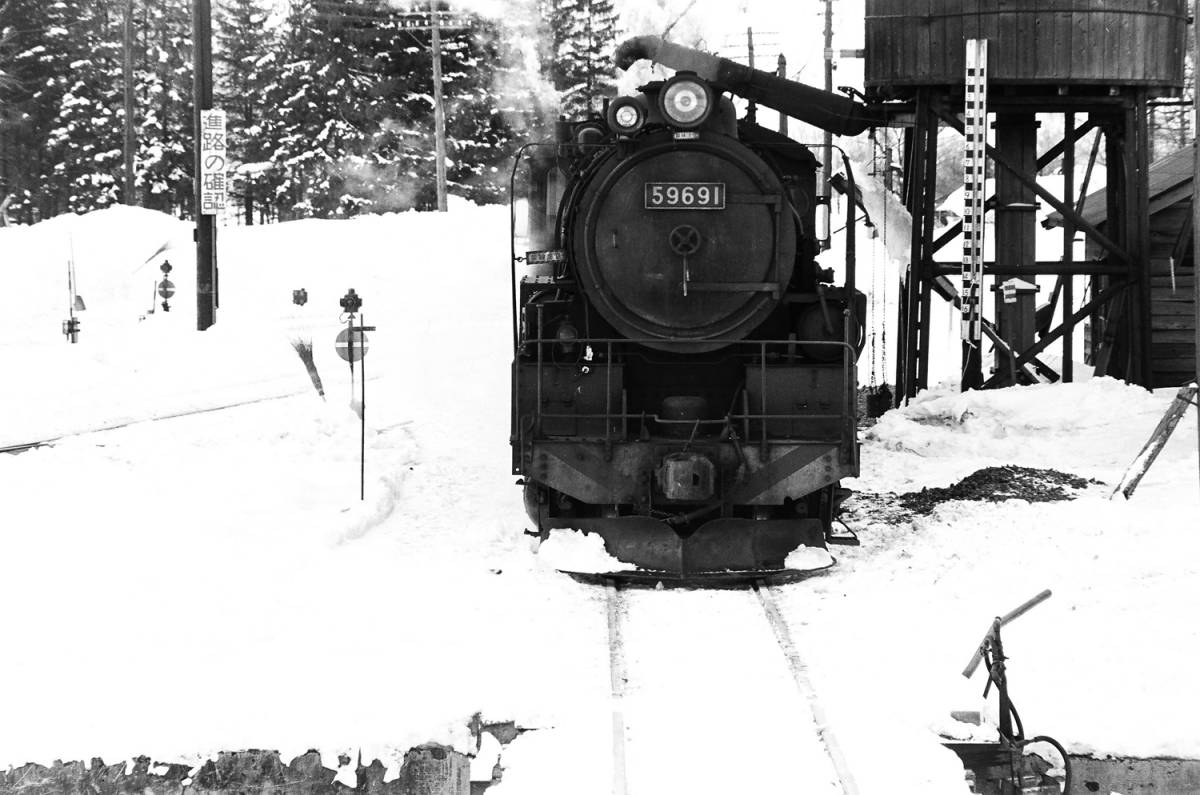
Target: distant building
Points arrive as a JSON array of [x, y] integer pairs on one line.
[[1172, 269]]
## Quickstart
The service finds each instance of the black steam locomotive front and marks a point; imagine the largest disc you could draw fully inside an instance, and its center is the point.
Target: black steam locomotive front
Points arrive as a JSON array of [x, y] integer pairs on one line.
[[684, 375]]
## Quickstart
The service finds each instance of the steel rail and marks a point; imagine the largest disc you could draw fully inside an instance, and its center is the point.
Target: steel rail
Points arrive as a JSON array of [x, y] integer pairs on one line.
[[49, 442], [799, 671], [617, 680]]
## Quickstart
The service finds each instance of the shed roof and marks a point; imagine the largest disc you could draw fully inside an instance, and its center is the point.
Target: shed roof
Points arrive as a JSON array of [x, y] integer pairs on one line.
[[1170, 182]]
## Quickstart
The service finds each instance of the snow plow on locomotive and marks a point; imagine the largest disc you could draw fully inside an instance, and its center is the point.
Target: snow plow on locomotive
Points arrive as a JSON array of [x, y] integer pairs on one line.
[[684, 377]]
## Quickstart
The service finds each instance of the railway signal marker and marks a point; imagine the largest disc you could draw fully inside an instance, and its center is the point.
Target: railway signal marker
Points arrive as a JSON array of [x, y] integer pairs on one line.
[[351, 344]]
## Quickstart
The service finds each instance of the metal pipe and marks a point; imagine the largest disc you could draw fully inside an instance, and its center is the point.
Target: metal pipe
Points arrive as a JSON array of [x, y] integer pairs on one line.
[[823, 192], [824, 109], [926, 233], [1000, 622], [1196, 227]]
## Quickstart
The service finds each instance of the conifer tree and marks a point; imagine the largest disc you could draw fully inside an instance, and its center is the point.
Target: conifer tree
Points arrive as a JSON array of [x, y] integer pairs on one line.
[[85, 141], [324, 101], [244, 57], [578, 55], [163, 113], [34, 54]]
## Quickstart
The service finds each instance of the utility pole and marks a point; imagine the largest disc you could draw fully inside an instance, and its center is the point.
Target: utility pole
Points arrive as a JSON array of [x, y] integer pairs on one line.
[[206, 229], [439, 111], [436, 23], [130, 144], [823, 193], [781, 70]]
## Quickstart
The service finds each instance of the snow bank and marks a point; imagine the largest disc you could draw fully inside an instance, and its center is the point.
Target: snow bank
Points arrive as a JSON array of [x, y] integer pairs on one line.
[[218, 578]]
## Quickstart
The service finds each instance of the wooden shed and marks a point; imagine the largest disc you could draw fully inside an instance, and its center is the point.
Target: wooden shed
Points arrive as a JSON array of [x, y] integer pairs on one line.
[[1172, 268]]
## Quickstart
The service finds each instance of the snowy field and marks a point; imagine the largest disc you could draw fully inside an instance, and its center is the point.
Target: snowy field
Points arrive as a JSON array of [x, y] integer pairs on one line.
[[213, 582]]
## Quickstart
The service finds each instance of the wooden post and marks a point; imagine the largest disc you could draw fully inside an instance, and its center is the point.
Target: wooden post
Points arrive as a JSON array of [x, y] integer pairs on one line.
[[439, 111], [130, 144], [1166, 426], [206, 229]]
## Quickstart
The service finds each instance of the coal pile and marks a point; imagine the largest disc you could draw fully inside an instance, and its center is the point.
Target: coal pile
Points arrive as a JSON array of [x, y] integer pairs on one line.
[[992, 484]]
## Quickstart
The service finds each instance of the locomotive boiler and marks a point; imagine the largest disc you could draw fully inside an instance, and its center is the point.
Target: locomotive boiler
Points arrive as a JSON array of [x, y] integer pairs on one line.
[[684, 373]]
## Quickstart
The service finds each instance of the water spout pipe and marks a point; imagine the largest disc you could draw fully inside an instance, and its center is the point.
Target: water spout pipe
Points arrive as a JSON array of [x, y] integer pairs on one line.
[[834, 112]]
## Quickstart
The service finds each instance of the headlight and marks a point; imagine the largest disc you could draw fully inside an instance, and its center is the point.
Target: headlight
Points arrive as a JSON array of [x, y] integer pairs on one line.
[[626, 115], [686, 101]]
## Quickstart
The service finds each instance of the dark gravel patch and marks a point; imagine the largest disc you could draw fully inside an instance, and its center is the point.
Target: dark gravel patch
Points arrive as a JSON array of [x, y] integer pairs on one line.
[[996, 484], [993, 484]]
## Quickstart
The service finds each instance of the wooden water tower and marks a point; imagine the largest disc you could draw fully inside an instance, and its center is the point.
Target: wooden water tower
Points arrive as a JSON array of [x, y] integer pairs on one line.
[[1094, 63]]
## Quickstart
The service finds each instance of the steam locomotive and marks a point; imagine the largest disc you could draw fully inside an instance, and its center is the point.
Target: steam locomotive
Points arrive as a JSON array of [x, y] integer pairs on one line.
[[684, 374]]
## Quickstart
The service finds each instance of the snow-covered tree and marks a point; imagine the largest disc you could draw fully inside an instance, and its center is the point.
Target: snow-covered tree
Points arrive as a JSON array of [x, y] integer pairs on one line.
[[325, 101], [244, 55], [163, 112], [331, 112], [578, 54], [35, 56], [85, 141]]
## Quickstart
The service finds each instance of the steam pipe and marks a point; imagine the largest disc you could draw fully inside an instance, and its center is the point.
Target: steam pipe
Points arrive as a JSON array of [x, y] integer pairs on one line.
[[833, 112]]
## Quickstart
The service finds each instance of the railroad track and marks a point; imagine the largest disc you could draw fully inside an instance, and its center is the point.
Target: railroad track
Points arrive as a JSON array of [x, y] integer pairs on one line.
[[799, 670], [722, 680], [22, 447]]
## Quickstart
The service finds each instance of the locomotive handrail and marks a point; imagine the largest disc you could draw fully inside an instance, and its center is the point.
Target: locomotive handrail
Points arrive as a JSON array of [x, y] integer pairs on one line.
[[758, 356]]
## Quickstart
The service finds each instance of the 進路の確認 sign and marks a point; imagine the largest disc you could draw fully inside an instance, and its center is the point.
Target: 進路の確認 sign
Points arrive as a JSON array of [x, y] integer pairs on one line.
[[213, 161]]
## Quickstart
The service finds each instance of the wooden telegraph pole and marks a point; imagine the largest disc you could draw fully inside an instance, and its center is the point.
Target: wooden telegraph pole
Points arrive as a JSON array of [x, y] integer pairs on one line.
[[130, 143], [435, 22], [206, 229], [439, 110], [438, 21]]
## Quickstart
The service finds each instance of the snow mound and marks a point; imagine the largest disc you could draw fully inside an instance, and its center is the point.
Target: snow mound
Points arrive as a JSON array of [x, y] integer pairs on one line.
[[805, 558], [577, 552]]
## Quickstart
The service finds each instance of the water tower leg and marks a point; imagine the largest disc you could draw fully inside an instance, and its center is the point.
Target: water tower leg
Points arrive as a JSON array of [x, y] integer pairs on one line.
[[1016, 215]]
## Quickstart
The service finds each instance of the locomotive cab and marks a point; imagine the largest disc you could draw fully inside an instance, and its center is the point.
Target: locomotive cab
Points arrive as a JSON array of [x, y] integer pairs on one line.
[[684, 375]]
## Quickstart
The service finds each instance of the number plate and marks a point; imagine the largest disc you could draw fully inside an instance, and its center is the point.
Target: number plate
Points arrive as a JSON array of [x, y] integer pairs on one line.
[[685, 195]]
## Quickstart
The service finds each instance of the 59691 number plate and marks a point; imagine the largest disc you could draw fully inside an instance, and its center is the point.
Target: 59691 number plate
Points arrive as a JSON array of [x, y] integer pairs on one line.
[[685, 195]]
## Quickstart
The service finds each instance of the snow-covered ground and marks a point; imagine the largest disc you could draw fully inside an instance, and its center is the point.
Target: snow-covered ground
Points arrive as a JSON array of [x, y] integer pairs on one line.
[[213, 581]]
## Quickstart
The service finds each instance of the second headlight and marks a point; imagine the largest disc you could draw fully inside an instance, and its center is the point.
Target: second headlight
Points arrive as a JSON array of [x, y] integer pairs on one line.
[[686, 101]]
